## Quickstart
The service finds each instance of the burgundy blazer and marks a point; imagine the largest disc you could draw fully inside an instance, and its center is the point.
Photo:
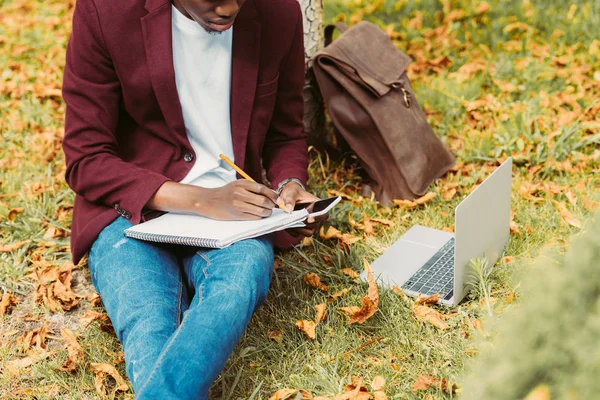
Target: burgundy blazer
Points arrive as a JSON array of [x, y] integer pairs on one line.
[[124, 129]]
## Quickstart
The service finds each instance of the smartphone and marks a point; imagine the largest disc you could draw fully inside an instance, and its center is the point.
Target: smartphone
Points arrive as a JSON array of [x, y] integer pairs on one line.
[[318, 207]]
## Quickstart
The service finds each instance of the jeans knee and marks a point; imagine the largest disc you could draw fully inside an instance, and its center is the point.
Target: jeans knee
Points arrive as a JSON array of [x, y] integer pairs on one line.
[[255, 268]]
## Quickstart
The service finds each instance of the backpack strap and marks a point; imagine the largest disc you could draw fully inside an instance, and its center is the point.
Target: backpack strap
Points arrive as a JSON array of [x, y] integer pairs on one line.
[[329, 31]]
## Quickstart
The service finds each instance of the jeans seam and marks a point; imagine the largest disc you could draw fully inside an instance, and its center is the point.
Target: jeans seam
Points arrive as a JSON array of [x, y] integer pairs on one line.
[[160, 359], [178, 316], [205, 257]]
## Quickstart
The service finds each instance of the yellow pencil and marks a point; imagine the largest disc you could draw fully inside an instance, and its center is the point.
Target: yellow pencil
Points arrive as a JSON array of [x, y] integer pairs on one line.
[[246, 176]]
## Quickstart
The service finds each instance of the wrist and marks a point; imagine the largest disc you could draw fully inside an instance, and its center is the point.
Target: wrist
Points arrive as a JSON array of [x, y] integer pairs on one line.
[[285, 182], [179, 197]]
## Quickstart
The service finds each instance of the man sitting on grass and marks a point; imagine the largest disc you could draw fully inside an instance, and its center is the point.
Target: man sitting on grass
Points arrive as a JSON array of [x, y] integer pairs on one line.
[[155, 91]]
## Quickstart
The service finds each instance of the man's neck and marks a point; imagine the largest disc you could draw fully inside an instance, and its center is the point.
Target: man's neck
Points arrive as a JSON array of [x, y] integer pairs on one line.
[[182, 10]]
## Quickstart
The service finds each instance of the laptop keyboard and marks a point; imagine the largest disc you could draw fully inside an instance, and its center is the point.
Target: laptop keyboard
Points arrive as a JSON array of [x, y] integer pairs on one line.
[[437, 275]]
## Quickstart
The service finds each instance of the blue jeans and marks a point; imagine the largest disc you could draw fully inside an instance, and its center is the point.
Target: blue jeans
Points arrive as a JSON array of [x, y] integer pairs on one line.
[[177, 311]]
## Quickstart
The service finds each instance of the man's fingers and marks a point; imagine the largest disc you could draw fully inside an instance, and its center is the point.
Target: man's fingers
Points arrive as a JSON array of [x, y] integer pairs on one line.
[[258, 212], [261, 190], [259, 201]]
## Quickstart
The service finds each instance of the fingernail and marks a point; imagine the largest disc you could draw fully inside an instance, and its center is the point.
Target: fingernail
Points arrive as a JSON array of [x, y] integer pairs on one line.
[[289, 208]]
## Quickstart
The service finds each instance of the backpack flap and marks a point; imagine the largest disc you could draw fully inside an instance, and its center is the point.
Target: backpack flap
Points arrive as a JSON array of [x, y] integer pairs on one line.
[[368, 57]]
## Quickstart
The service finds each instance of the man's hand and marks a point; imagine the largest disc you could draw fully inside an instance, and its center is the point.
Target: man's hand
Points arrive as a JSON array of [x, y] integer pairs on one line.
[[238, 200], [293, 194]]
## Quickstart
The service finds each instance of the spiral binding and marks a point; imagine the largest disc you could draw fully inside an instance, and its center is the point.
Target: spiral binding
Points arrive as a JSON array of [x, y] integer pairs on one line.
[[211, 243]]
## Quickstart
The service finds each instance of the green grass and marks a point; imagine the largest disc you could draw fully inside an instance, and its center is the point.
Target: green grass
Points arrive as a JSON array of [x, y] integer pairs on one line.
[[530, 123]]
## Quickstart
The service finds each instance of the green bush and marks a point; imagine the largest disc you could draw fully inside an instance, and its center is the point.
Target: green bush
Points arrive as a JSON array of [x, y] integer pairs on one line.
[[552, 338]]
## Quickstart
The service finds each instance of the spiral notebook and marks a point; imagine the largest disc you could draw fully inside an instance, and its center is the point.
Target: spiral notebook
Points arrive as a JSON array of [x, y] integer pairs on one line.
[[195, 230]]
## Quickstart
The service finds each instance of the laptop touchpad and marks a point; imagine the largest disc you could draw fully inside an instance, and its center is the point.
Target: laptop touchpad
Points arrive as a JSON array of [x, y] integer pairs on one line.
[[401, 261]]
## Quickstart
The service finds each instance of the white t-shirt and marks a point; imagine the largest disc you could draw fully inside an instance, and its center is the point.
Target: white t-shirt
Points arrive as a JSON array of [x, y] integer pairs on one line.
[[202, 64]]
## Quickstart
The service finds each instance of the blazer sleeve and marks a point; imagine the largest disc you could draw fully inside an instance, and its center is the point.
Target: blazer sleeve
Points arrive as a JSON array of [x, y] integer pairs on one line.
[[92, 94], [285, 153]]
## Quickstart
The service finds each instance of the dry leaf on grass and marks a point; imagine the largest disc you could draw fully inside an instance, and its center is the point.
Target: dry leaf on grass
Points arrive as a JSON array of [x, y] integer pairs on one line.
[[366, 311], [349, 310], [54, 232], [433, 299], [514, 227], [370, 303], [283, 394], [350, 272], [541, 392], [8, 301], [54, 289], [378, 383], [321, 312], [424, 382], [49, 391], [343, 195], [430, 315], [34, 338], [355, 391], [90, 315], [566, 215], [276, 335], [383, 221], [379, 395], [400, 293], [308, 327], [315, 281], [449, 193], [478, 325], [7, 248], [12, 214], [73, 348], [415, 203], [102, 370], [14, 366], [333, 233], [339, 294]]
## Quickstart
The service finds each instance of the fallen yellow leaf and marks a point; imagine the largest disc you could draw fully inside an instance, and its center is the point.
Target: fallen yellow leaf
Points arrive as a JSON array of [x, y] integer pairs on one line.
[[370, 303], [424, 382], [101, 370], [339, 294], [378, 383], [400, 293], [321, 312], [14, 366], [433, 299], [415, 203], [349, 310], [315, 281], [541, 392], [7, 248], [308, 327], [8, 301], [276, 335], [350, 272], [12, 214], [430, 315], [73, 348]]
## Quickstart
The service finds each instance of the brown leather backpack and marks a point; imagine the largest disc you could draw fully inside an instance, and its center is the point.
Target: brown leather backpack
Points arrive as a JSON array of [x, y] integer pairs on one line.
[[362, 78]]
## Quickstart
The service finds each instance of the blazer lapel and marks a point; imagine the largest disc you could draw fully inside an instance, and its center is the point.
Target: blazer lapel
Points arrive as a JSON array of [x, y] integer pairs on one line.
[[156, 27], [244, 75]]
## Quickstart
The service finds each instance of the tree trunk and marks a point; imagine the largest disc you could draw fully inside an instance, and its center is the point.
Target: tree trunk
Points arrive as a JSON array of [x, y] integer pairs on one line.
[[314, 113]]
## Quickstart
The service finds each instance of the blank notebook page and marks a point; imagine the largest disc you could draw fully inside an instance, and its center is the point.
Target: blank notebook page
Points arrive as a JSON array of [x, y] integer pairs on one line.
[[196, 230]]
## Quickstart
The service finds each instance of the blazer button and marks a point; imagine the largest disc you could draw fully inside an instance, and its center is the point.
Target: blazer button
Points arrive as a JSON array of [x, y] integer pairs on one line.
[[188, 157]]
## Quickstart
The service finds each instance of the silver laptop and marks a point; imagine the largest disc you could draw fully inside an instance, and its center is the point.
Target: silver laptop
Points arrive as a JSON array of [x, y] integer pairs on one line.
[[430, 261]]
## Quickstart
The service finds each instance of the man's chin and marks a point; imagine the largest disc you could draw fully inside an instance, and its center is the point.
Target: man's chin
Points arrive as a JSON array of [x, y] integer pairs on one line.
[[215, 28]]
